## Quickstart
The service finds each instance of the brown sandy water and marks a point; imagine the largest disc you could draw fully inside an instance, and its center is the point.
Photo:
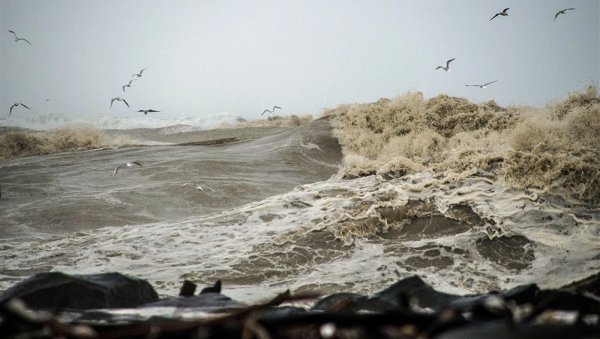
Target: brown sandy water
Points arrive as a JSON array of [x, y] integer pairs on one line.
[[442, 188]]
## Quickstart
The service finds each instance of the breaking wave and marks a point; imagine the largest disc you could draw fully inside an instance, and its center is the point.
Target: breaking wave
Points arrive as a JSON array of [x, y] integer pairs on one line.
[[552, 148], [24, 143]]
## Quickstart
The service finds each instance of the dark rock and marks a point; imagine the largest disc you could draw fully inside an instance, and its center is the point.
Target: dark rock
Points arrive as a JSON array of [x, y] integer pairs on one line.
[[567, 301], [212, 301], [187, 289], [351, 302], [590, 284], [499, 330], [413, 290], [216, 288], [57, 290]]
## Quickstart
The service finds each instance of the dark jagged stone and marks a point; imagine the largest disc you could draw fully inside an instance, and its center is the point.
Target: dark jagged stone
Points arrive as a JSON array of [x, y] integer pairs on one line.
[[57, 290], [590, 284], [413, 290], [521, 294], [352, 303], [188, 289], [499, 330], [567, 301], [206, 300], [216, 288]]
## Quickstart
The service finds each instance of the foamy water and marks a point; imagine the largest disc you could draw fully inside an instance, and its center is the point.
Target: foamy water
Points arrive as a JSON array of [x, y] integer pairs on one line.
[[193, 122], [463, 205]]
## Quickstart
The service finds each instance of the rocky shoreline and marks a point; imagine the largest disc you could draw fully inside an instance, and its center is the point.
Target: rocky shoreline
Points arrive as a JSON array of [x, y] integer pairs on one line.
[[113, 305]]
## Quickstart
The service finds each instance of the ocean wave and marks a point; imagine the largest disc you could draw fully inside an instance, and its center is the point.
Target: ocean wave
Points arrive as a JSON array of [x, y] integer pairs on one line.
[[76, 138], [60, 120], [555, 147]]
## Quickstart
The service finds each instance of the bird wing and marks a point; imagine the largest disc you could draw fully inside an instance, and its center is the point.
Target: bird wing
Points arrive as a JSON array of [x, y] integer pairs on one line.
[[489, 83], [474, 85], [126, 103], [111, 102], [25, 106], [439, 67], [137, 163], [506, 9], [27, 41], [124, 88], [448, 62], [494, 16], [117, 169], [265, 111], [13, 32], [151, 110], [11, 108], [276, 107]]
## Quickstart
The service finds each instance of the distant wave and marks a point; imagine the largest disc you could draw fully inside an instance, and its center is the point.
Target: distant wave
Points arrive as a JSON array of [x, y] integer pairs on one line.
[[59, 120], [551, 148], [24, 143]]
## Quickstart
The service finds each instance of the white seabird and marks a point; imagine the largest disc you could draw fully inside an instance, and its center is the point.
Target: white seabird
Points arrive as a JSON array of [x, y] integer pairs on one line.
[[563, 11], [128, 84], [146, 111], [447, 68], [198, 187], [139, 75], [15, 105], [126, 164], [118, 99], [503, 13], [17, 38], [484, 85], [272, 110]]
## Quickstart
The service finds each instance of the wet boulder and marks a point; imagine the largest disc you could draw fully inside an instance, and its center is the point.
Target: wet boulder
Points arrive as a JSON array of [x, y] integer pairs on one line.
[[56, 290]]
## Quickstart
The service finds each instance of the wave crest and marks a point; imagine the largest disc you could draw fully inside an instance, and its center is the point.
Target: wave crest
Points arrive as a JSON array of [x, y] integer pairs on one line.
[[16, 144], [551, 148]]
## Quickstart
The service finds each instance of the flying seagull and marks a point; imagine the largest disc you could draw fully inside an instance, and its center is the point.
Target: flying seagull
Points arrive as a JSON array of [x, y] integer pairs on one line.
[[503, 13], [198, 187], [139, 75], [447, 68], [118, 99], [128, 84], [484, 85], [17, 38], [562, 12], [15, 105], [146, 111], [272, 110], [126, 164]]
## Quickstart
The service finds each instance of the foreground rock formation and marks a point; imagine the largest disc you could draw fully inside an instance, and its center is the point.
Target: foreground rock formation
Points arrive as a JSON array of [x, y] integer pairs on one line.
[[116, 306]]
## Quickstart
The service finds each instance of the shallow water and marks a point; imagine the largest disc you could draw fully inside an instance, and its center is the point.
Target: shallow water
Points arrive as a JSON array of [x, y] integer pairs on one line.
[[279, 217]]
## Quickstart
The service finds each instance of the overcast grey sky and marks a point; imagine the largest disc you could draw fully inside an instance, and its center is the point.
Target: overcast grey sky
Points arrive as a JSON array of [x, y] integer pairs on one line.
[[241, 57]]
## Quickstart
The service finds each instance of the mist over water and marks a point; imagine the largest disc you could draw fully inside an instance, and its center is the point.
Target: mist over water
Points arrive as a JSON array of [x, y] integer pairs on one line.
[[470, 196]]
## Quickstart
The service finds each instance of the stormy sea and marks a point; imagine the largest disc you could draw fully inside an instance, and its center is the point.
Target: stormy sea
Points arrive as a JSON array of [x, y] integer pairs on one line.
[[471, 197]]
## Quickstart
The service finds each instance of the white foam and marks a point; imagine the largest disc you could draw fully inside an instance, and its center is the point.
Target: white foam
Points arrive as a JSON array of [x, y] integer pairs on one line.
[[179, 124]]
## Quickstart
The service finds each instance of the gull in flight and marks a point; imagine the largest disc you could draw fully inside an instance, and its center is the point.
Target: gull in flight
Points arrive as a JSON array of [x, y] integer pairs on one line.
[[198, 187], [146, 111], [562, 12], [447, 68], [126, 164], [272, 110], [484, 85], [17, 38], [139, 75], [503, 13], [15, 105], [118, 99], [129, 84]]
